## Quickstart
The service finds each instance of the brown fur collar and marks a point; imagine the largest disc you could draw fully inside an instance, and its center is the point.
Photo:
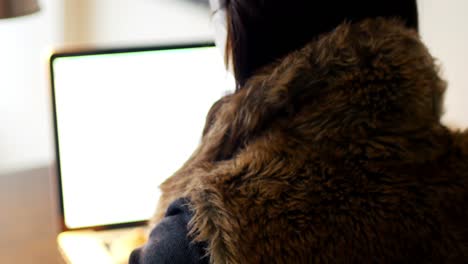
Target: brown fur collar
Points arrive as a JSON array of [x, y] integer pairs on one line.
[[334, 154]]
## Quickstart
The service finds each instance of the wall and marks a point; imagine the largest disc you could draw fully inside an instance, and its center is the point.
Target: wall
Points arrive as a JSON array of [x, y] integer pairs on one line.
[[24, 45], [79, 20], [444, 30], [137, 22]]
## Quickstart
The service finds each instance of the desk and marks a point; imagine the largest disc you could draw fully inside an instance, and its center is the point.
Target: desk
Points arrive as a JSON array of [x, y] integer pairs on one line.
[[28, 226]]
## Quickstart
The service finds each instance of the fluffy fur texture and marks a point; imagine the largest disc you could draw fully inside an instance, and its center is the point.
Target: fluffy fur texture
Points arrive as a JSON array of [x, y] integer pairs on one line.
[[334, 154]]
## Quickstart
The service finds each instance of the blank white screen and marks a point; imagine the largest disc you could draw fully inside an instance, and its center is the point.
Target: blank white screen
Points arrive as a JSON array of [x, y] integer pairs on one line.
[[126, 122]]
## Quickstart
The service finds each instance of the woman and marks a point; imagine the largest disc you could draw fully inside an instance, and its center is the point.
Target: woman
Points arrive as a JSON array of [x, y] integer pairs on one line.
[[330, 150]]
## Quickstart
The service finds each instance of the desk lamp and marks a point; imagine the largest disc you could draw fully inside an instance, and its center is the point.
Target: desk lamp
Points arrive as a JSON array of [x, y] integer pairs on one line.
[[16, 8]]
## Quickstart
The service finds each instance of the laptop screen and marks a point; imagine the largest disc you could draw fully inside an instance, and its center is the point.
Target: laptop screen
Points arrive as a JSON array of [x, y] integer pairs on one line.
[[126, 121]]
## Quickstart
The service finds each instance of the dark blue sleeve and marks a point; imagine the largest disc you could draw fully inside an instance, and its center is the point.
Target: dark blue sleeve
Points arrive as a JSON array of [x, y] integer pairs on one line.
[[169, 241]]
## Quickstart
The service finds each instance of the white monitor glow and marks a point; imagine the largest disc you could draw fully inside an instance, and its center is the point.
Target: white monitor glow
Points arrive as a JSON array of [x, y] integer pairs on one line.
[[125, 122]]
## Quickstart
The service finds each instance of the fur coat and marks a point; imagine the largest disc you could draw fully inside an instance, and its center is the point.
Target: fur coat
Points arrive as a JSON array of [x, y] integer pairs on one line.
[[333, 154]]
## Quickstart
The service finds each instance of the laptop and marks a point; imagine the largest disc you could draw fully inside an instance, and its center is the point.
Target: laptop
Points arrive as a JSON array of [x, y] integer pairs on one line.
[[124, 121]]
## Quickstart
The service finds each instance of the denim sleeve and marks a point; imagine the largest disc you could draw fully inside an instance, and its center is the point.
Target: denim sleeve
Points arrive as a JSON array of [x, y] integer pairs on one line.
[[169, 241]]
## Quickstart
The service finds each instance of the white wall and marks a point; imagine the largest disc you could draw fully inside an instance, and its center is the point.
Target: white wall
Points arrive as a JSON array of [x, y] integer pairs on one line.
[[150, 21], [444, 28], [24, 122], [139, 22]]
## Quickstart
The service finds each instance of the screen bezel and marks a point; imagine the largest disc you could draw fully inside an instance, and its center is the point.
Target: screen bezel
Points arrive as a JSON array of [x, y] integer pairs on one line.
[[91, 52]]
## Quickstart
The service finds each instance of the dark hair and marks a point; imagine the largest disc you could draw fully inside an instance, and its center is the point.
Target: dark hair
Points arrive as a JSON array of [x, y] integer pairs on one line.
[[262, 31]]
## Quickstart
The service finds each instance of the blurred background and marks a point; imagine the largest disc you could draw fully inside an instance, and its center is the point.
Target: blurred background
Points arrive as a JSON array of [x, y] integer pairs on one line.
[[26, 42], [25, 129]]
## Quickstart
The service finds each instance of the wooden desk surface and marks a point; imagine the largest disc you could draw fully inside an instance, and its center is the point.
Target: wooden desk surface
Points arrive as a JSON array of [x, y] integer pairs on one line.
[[28, 226]]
